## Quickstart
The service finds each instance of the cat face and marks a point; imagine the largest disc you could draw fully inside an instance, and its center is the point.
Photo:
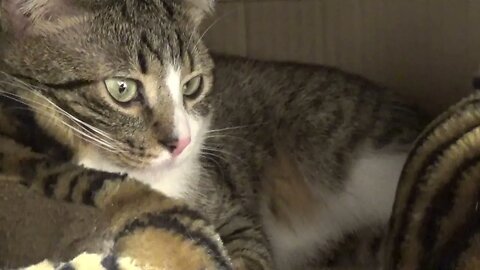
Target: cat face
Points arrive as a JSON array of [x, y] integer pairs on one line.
[[121, 82]]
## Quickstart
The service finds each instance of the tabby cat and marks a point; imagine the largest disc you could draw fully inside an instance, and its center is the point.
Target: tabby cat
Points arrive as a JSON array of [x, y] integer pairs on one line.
[[435, 221], [285, 160]]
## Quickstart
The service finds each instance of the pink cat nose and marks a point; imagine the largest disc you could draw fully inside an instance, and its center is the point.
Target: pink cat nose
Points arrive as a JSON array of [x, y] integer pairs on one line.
[[176, 146], [182, 144]]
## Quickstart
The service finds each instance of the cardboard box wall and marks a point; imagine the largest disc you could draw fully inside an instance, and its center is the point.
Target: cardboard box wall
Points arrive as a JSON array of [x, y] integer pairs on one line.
[[427, 50]]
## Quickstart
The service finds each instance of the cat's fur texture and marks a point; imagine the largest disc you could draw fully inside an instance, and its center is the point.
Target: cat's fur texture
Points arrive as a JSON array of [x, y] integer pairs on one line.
[[286, 160]]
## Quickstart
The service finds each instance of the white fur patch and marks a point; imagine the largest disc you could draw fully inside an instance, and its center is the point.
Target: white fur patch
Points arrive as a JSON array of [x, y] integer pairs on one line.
[[367, 200], [173, 82], [173, 178]]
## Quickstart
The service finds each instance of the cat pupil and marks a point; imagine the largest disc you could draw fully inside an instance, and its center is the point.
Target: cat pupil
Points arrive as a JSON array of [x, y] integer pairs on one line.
[[122, 87]]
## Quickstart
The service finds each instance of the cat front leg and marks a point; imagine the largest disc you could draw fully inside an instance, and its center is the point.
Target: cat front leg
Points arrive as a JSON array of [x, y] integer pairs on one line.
[[244, 239]]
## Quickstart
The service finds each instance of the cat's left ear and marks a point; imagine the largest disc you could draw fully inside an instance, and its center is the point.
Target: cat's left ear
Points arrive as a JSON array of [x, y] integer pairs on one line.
[[197, 9]]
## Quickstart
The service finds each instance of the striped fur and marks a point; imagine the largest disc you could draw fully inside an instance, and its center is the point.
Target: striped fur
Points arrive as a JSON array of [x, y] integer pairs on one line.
[[275, 148], [435, 222], [155, 231]]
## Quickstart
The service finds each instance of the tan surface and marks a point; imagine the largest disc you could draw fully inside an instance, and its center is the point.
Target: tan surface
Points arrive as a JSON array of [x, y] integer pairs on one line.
[[427, 50]]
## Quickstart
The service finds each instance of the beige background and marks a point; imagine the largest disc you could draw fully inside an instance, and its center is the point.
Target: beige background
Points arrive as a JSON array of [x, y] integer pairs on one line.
[[428, 50]]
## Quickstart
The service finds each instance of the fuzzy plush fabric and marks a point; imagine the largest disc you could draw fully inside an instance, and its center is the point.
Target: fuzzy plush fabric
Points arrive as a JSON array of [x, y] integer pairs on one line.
[[33, 228], [87, 261]]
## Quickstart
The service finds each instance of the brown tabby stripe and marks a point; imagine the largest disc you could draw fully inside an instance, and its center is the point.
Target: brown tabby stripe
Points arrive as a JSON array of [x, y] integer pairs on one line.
[[184, 212], [458, 243], [440, 206], [148, 44], [142, 62], [50, 184], [95, 183], [428, 161], [71, 188], [160, 221]]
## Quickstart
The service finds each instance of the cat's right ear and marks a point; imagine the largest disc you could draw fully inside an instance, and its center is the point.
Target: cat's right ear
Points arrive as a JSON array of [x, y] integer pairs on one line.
[[197, 9], [23, 17]]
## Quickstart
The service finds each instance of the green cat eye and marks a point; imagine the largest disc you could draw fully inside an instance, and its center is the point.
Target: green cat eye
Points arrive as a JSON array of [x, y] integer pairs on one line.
[[121, 89], [193, 87]]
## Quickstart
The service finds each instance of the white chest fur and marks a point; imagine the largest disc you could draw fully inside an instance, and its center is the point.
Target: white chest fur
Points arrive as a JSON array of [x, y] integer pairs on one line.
[[174, 183], [367, 199]]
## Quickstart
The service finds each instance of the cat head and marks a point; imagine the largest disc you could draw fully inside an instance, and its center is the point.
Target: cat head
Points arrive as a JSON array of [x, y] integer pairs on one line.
[[122, 82]]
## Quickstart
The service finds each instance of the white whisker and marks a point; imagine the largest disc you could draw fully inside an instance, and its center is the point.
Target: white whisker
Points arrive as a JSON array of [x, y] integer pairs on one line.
[[106, 140], [81, 130], [57, 120]]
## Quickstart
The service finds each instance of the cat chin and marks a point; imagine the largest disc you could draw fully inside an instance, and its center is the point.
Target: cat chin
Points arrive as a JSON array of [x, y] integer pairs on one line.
[[172, 176]]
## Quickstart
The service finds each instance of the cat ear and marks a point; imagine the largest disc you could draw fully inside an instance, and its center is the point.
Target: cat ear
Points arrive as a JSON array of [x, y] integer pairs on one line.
[[36, 16], [197, 9]]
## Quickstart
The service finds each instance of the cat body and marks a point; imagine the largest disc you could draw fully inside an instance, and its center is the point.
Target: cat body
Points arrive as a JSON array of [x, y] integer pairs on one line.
[[285, 160], [317, 153]]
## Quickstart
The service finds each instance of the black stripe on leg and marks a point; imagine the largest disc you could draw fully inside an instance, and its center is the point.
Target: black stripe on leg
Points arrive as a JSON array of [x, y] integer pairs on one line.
[[97, 179], [50, 184], [184, 211], [160, 221], [110, 262], [71, 188], [89, 195], [67, 266]]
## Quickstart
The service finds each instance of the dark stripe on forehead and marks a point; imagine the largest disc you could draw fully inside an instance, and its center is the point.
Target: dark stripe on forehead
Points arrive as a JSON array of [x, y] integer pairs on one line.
[[142, 62], [144, 40], [180, 42]]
